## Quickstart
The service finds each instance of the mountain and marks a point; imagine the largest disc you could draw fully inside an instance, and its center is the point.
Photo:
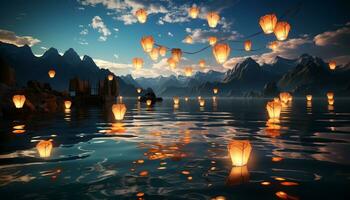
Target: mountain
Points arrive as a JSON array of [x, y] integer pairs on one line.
[[128, 79], [280, 66]]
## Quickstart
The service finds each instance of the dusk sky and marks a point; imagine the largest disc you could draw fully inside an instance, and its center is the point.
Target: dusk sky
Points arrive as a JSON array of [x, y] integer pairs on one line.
[[108, 31]]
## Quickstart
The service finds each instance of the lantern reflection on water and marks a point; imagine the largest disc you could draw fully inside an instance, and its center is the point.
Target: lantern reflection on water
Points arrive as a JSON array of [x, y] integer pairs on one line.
[[119, 111], [239, 151], [331, 102], [19, 129], [273, 128], [18, 100], [238, 175], [44, 148], [330, 95]]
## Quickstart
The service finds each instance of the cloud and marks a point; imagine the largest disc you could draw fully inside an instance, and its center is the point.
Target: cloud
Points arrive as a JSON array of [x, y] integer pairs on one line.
[[43, 48], [170, 34], [117, 68], [201, 36], [11, 38], [98, 24], [84, 32], [338, 37]]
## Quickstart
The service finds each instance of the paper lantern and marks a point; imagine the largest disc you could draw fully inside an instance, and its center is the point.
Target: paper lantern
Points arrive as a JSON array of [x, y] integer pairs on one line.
[[193, 12], [52, 73], [221, 52], [199, 98], [176, 100], [273, 45], [188, 71], [285, 97], [162, 50], [149, 102], [141, 15], [212, 40], [214, 98], [147, 43], [215, 90], [248, 45], [186, 98], [120, 99], [239, 151], [44, 148], [238, 175], [67, 104], [282, 30], [172, 63], [176, 54], [188, 40], [137, 63], [119, 110], [268, 23], [154, 54], [18, 100], [139, 90], [213, 19], [201, 102], [201, 63], [309, 97], [332, 65], [110, 77], [274, 109], [330, 95], [139, 98], [331, 102]]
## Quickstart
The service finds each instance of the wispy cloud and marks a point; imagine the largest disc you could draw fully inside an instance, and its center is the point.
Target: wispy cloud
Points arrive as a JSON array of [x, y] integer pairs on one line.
[[98, 24], [11, 37], [340, 36]]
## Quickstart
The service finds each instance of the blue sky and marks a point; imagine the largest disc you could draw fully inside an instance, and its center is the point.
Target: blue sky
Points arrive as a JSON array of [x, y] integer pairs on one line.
[[108, 31]]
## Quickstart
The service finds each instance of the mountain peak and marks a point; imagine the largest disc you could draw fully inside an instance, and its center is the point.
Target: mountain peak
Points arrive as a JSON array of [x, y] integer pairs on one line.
[[88, 60], [71, 57], [52, 52]]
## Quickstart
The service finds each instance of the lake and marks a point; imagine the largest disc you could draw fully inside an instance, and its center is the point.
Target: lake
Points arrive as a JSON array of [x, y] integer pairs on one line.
[[167, 152]]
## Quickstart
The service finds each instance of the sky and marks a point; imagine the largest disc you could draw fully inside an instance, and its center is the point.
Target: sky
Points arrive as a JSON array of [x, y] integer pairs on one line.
[[108, 31]]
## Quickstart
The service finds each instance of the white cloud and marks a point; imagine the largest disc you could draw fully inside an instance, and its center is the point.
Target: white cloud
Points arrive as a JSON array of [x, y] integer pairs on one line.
[[170, 34], [201, 36], [11, 38], [116, 56], [84, 32], [340, 36], [116, 68], [98, 24], [43, 48]]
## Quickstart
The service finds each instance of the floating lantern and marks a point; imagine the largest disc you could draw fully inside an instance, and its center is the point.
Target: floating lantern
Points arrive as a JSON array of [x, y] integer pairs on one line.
[[268, 23], [213, 19], [274, 109], [332, 65], [282, 195], [201, 102], [44, 148], [141, 15], [331, 102], [186, 98], [18, 100], [172, 63], [147, 43], [154, 54], [309, 97], [149, 102], [162, 50], [285, 97], [239, 151], [238, 175], [176, 100], [67, 104], [221, 52], [193, 12], [330, 95], [248, 45], [215, 90], [212, 40], [119, 110], [188, 40], [137, 63], [138, 90], [273, 45], [139, 98], [52, 73], [188, 71], [176, 54], [120, 98], [110, 77], [199, 98], [282, 30], [201, 63]]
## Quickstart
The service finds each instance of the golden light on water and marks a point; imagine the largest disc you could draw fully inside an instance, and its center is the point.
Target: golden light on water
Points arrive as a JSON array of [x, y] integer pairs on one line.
[[44, 148], [149, 102], [215, 90], [239, 151], [238, 175], [201, 102], [176, 100], [274, 109], [18, 100], [119, 111]]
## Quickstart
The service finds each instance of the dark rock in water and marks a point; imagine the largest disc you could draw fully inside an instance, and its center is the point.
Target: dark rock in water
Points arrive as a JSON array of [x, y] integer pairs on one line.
[[270, 89], [148, 94]]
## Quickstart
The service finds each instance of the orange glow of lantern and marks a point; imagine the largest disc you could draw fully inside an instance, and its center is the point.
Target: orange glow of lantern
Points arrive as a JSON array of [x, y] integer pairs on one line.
[[273, 45], [176, 54], [186, 98], [331, 102], [238, 175], [67, 104], [282, 195], [154, 54], [274, 109], [212, 40], [201, 63], [44, 148], [137, 63], [282, 30], [330, 95], [199, 98], [119, 110], [215, 90], [201, 102], [110, 77], [52, 73], [147, 43], [188, 71], [193, 12], [141, 15], [18, 100], [149, 102], [188, 40], [248, 45], [268, 23], [221, 52], [162, 50], [285, 97], [138, 90], [213, 19], [172, 63], [332, 65], [309, 97], [176, 100], [239, 151]]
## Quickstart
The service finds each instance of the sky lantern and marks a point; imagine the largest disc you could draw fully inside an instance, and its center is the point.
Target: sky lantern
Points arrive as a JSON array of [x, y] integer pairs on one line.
[[188, 40], [149, 102], [201, 63], [282, 30], [268, 23], [186, 98], [139, 90], [147, 43], [331, 102], [18, 100], [273, 45], [176, 54], [239, 151], [221, 52], [193, 12], [176, 100], [119, 110], [172, 63], [199, 98], [110, 77], [212, 40], [188, 71], [247, 45], [141, 15], [213, 19], [274, 109], [309, 97], [44, 148], [201, 102], [67, 104], [330, 95], [162, 50], [154, 54], [285, 97], [137, 63], [52, 73], [215, 90], [332, 65]]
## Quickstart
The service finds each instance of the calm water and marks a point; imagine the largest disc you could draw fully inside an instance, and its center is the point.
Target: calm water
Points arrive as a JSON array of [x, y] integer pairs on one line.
[[179, 153]]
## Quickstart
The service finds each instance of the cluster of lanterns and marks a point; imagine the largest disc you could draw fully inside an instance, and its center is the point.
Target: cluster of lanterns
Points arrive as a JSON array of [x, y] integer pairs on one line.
[[269, 24]]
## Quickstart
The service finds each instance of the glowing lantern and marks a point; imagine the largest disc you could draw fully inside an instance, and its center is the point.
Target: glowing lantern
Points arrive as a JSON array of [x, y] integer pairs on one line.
[[221, 52], [141, 15], [330, 95], [137, 63], [149, 102], [188, 71], [282, 30], [162, 50], [215, 90], [176, 100], [44, 148], [147, 43], [285, 97], [199, 98], [332, 65], [52, 73], [274, 109], [67, 104], [193, 12], [110, 77], [18, 100], [120, 98], [239, 151], [138, 90], [248, 45], [119, 111], [331, 102], [238, 175], [154, 54], [188, 40], [176, 54], [309, 97], [273, 45], [201, 63], [201, 102], [213, 19], [212, 40], [268, 23], [172, 63], [186, 98]]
